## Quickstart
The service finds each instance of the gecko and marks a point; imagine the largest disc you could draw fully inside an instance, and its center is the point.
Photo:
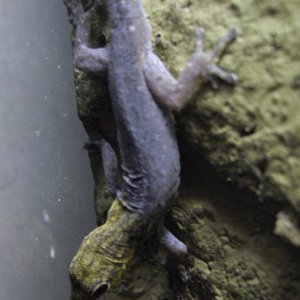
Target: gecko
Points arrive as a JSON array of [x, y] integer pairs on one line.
[[146, 163]]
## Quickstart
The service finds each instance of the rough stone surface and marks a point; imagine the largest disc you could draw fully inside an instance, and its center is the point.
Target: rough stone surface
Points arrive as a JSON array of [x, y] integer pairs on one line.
[[233, 252], [250, 133], [240, 156]]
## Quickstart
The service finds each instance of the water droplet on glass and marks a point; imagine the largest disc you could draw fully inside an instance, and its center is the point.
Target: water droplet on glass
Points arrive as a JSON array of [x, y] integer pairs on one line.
[[52, 252]]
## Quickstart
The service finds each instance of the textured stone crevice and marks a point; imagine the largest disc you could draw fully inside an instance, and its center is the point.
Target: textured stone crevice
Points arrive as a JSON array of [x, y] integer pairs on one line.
[[233, 252]]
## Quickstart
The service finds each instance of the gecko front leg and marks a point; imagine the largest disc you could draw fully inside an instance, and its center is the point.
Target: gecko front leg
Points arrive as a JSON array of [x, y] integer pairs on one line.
[[201, 67], [90, 60]]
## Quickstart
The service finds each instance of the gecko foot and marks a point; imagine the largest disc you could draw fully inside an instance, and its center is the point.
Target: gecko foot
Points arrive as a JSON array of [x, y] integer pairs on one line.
[[76, 12], [92, 145], [206, 60], [74, 8]]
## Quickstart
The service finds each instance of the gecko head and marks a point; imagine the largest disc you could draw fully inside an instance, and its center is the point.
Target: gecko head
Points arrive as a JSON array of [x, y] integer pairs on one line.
[[102, 257], [92, 275]]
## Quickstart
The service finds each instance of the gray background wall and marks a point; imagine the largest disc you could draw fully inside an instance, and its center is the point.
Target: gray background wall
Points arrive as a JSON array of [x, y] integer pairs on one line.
[[46, 204]]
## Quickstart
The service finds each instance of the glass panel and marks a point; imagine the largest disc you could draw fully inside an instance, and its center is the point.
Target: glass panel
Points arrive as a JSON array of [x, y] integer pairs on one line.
[[46, 186]]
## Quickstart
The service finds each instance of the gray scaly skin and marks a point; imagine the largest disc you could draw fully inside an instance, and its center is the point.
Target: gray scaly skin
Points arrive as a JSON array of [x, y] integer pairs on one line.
[[142, 93], [150, 165]]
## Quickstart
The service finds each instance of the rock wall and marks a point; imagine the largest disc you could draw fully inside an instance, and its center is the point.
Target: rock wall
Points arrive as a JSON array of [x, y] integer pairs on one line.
[[250, 133]]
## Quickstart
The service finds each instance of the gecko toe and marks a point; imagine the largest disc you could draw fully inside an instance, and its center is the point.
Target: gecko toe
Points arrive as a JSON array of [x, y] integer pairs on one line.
[[232, 78], [232, 34], [216, 71]]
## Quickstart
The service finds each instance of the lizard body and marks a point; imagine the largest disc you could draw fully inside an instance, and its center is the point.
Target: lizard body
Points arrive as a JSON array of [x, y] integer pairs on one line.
[[150, 166], [142, 93]]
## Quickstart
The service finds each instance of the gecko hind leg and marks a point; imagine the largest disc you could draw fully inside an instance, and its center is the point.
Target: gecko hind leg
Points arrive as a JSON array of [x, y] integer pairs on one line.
[[201, 67]]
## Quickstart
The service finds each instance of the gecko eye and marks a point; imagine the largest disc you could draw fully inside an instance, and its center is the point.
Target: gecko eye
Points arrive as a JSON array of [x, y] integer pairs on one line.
[[100, 289]]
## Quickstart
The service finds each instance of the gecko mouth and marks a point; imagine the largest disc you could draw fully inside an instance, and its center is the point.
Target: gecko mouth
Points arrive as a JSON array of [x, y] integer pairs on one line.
[[100, 290]]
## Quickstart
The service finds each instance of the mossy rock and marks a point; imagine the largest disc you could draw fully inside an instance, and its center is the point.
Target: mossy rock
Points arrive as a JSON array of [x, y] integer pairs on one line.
[[250, 134]]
